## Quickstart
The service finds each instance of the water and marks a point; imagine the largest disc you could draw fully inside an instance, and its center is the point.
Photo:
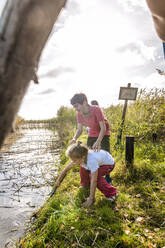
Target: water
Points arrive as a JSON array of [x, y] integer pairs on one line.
[[27, 173]]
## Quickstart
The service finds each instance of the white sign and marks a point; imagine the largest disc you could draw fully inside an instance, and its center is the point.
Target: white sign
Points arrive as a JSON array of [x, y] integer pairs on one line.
[[127, 93]]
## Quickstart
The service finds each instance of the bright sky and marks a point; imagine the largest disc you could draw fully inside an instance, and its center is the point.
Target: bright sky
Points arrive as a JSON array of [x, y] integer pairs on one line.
[[95, 47]]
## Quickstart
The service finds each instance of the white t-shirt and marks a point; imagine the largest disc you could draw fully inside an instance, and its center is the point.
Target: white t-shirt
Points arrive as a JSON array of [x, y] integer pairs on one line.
[[96, 159]]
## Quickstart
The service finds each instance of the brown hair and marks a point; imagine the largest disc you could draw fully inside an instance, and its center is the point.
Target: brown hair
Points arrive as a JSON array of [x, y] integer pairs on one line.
[[77, 151], [94, 102], [78, 98]]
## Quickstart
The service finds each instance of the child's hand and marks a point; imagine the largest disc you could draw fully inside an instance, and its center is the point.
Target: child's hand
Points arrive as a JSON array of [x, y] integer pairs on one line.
[[88, 202], [96, 146]]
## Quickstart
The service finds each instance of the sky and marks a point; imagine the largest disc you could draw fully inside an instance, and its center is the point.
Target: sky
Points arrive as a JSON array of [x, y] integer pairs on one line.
[[96, 47]]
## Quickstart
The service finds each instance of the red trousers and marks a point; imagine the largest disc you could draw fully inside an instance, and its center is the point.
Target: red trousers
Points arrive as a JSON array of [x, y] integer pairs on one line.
[[107, 189]]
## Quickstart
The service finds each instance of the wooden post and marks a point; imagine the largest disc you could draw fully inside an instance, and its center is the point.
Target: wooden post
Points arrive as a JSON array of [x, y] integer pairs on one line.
[[24, 30], [129, 151], [122, 119]]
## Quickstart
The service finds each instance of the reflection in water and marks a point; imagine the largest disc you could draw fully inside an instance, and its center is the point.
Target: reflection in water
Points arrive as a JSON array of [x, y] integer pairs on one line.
[[27, 171]]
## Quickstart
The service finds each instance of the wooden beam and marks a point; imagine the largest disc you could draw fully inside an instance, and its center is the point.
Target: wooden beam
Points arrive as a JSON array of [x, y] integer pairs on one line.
[[24, 29]]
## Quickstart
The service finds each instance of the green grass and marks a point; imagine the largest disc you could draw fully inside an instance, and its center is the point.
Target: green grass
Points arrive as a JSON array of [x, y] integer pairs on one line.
[[136, 219]]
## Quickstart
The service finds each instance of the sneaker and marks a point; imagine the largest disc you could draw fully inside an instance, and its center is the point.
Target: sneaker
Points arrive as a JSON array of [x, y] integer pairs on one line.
[[112, 199], [108, 179]]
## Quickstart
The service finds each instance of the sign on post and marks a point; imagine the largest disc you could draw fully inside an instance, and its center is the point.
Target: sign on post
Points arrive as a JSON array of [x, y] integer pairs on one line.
[[126, 93]]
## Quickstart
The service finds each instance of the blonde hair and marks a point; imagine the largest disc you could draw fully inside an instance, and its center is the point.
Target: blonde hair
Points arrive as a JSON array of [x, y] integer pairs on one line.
[[77, 151]]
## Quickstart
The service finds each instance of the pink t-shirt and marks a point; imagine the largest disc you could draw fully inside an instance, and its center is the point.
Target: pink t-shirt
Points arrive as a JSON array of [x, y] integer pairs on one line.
[[92, 121]]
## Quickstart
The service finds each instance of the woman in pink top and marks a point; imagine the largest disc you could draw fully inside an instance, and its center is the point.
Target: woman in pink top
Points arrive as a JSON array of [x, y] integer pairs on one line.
[[93, 117]]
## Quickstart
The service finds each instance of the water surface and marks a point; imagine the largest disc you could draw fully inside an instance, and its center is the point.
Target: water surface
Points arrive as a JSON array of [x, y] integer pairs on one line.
[[27, 171]]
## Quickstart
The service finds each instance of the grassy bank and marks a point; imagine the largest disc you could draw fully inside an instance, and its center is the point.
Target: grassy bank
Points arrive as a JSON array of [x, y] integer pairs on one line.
[[136, 219]]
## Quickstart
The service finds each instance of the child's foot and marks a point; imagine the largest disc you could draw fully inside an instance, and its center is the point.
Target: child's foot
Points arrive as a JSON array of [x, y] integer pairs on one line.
[[112, 198]]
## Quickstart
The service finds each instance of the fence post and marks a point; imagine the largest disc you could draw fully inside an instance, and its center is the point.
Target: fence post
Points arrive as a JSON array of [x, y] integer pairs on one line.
[[129, 151]]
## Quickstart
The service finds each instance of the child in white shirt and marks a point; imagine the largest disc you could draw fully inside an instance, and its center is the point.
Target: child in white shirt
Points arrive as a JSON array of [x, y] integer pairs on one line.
[[93, 167]]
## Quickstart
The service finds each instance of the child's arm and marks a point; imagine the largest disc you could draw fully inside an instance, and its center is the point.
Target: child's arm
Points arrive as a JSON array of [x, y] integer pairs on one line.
[[97, 145], [93, 185], [63, 173], [78, 133]]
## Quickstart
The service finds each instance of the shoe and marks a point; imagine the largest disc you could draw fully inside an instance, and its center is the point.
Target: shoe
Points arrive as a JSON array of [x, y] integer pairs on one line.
[[108, 179], [112, 199]]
